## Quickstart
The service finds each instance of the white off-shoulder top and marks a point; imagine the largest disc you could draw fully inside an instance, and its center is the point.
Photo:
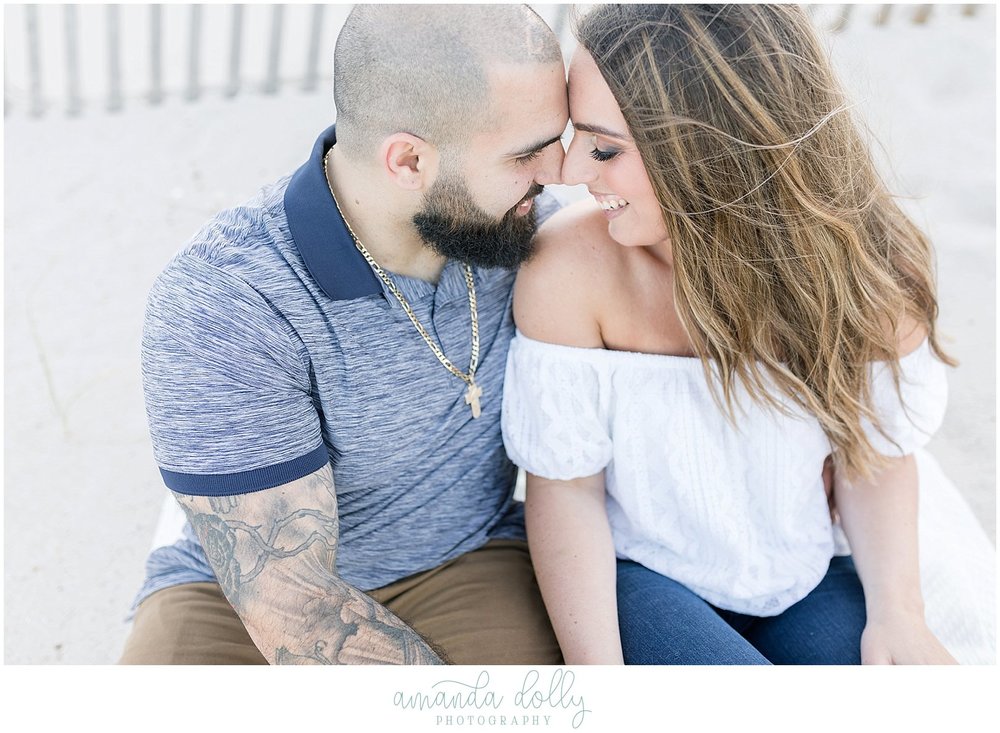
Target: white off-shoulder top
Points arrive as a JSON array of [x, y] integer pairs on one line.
[[737, 514]]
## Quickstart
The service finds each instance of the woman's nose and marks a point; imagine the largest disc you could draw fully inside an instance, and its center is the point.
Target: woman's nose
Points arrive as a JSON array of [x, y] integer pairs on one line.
[[550, 170], [577, 167]]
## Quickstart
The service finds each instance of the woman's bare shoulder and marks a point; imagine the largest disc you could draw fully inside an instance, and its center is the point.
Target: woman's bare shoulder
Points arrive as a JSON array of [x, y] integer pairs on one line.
[[561, 288], [577, 230]]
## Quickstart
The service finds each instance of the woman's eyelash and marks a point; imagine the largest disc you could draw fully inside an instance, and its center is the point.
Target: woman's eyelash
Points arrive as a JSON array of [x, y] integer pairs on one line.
[[603, 156]]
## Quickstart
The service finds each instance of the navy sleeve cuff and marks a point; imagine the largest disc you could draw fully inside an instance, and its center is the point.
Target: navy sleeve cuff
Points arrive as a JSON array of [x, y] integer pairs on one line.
[[246, 482]]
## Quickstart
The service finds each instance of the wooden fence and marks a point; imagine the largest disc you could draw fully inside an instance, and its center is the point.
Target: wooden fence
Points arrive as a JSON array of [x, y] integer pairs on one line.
[[71, 58]]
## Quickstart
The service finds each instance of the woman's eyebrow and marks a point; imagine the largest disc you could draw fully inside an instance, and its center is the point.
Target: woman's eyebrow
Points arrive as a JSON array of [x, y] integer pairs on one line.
[[598, 130]]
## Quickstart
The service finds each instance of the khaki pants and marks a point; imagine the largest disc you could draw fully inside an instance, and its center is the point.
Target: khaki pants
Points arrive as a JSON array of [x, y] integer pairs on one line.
[[483, 607]]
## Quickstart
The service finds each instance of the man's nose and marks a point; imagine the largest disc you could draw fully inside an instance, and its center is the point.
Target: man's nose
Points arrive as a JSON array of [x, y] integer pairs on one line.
[[577, 167], [550, 170]]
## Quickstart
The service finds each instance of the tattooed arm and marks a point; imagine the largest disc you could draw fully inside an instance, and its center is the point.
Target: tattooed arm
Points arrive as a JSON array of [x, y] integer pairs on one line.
[[274, 554]]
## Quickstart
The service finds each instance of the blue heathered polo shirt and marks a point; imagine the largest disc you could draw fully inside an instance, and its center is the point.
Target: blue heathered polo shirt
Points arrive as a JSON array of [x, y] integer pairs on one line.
[[270, 348]]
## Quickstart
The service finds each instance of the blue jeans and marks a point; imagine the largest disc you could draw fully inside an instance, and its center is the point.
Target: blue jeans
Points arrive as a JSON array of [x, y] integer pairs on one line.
[[662, 622]]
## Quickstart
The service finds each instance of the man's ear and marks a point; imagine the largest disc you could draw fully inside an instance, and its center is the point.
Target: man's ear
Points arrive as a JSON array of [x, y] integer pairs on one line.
[[409, 161]]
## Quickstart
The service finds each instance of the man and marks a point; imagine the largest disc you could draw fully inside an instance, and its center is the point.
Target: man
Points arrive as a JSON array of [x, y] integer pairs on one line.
[[323, 368]]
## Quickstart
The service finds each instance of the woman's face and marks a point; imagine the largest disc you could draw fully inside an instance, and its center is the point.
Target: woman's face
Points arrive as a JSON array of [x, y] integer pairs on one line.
[[603, 157]]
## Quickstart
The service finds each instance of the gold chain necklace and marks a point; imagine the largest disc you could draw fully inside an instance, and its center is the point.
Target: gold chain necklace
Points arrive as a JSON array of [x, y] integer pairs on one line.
[[474, 392]]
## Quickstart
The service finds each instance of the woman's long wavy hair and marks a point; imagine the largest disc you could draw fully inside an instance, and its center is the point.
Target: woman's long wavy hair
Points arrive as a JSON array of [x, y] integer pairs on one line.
[[793, 265]]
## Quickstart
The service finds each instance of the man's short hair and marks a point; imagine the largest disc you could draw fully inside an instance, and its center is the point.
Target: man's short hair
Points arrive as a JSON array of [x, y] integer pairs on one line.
[[423, 69]]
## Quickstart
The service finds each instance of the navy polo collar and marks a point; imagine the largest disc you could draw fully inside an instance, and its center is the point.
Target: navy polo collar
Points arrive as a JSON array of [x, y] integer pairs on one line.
[[319, 231]]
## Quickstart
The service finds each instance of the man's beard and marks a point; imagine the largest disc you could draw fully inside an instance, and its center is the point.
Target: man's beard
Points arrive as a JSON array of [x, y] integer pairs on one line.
[[453, 225]]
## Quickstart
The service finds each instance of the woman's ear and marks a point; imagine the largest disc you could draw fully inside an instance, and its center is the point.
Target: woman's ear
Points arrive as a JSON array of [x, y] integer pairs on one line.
[[409, 161]]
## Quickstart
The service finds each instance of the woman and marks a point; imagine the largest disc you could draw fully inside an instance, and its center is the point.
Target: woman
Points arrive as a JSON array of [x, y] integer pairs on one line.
[[743, 301]]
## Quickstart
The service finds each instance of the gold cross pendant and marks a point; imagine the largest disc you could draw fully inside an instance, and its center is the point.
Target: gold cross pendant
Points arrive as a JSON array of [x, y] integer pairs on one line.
[[472, 396]]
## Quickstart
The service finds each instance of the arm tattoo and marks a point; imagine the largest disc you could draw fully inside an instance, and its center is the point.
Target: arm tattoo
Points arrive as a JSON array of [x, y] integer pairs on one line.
[[223, 504], [274, 554]]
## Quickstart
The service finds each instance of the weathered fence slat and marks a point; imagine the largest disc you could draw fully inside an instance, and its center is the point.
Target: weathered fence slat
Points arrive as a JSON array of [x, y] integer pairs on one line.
[[37, 103], [114, 59], [312, 58], [274, 54], [842, 17], [194, 54], [235, 47], [73, 102], [155, 54], [922, 13]]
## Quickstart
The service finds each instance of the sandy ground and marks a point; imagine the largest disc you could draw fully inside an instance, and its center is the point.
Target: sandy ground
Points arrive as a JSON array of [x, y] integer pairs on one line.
[[95, 206]]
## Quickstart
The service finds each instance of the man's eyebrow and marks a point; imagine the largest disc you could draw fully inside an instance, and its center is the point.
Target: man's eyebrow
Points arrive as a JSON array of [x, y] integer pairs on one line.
[[534, 148], [598, 130]]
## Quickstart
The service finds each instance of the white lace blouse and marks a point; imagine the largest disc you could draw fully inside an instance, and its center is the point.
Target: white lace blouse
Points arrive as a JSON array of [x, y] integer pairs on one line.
[[738, 515]]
